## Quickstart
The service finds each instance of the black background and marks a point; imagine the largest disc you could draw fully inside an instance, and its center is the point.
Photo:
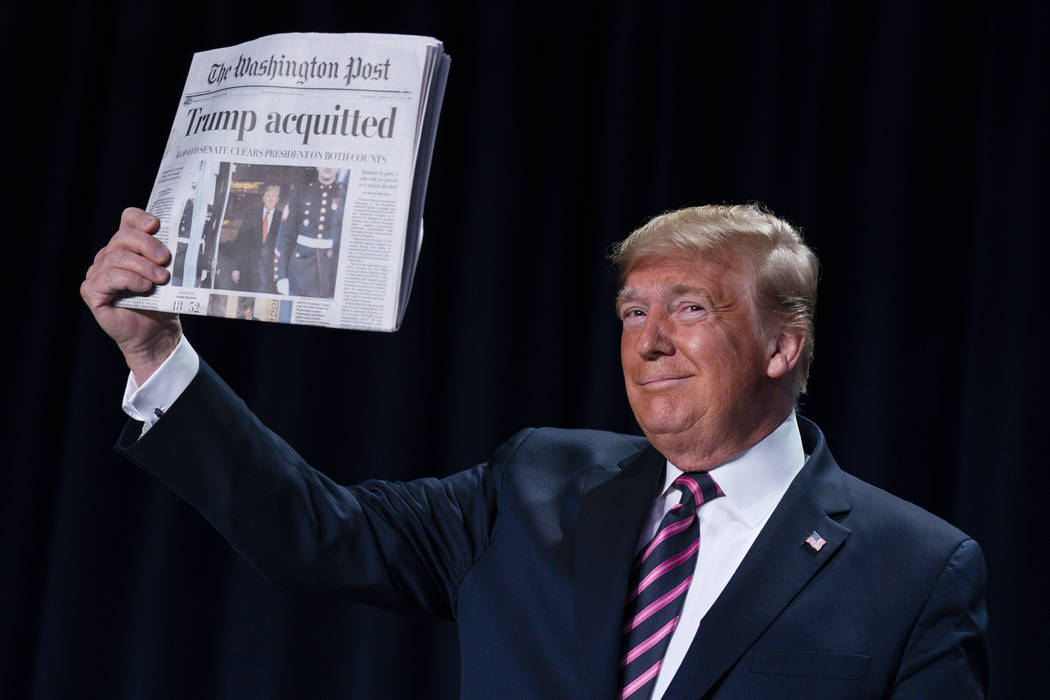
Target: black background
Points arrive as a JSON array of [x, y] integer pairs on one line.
[[907, 139]]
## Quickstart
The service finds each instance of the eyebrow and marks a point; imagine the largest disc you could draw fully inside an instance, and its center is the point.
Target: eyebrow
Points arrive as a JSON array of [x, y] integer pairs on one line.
[[623, 296], [627, 294]]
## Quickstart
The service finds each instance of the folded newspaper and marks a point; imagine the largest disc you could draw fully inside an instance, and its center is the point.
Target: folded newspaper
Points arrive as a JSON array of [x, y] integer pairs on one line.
[[292, 184]]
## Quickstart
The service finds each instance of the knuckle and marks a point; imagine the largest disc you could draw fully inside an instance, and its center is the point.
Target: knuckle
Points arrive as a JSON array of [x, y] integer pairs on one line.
[[115, 279]]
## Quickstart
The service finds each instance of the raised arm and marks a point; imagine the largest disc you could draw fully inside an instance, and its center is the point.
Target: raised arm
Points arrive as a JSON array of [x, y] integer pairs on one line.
[[400, 545]]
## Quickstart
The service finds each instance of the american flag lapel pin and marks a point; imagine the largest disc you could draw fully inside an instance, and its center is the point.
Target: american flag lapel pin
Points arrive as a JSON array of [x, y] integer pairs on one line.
[[816, 541]]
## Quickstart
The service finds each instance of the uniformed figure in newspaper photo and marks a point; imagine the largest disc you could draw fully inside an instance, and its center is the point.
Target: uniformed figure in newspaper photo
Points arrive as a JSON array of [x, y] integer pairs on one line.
[[308, 241]]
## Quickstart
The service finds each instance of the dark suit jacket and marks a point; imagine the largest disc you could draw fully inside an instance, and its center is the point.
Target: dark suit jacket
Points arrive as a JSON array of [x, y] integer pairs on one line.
[[253, 257], [530, 551]]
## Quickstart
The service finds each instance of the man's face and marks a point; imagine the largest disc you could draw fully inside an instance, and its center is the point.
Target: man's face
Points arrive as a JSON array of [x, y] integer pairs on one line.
[[693, 362], [326, 176], [270, 199]]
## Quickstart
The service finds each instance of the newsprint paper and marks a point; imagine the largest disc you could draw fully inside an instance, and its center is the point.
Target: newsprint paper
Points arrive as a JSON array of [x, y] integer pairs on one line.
[[292, 185]]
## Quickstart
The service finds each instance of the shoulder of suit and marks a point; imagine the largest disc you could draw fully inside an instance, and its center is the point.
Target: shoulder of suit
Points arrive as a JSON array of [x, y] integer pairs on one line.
[[879, 513], [891, 518], [561, 448], [601, 441]]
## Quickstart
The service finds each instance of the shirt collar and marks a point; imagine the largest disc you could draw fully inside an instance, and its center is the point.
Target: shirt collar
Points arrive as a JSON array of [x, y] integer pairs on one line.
[[755, 480]]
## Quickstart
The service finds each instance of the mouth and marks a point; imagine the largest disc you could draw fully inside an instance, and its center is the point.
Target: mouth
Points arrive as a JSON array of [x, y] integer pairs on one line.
[[663, 380]]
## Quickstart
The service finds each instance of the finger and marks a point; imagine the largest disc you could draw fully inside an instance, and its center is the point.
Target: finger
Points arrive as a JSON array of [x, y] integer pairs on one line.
[[125, 259], [138, 242], [134, 217], [105, 284]]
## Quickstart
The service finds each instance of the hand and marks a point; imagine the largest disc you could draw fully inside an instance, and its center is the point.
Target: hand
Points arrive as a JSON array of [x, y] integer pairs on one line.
[[282, 286], [132, 262]]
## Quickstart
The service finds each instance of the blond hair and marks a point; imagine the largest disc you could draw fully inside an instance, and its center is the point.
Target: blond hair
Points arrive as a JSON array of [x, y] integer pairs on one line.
[[786, 269]]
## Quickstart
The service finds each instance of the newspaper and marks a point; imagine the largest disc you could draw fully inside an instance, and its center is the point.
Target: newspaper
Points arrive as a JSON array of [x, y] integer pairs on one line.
[[292, 185]]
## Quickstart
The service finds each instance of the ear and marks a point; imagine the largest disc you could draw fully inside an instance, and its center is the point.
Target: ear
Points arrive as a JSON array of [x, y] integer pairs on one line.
[[785, 352]]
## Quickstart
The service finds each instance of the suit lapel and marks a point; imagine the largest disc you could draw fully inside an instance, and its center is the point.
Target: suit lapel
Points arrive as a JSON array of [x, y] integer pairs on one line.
[[775, 569], [613, 507]]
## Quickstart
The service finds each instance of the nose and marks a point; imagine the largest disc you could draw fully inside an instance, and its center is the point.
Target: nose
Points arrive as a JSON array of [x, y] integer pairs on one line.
[[653, 342]]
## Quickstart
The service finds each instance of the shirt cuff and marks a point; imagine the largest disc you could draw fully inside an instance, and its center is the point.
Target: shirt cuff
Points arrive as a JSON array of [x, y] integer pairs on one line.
[[147, 403]]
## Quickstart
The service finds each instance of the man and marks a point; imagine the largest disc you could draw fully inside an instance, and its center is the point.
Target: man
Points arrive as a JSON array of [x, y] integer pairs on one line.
[[308, 242], [724, 556], [254, 269], [183, 238]]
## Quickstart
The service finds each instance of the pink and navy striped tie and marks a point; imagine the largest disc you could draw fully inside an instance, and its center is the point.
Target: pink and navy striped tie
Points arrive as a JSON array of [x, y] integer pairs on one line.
[[659, 581]]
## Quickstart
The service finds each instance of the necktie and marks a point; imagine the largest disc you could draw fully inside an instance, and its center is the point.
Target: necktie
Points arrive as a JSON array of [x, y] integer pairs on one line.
[[266, 223], [659, 581]]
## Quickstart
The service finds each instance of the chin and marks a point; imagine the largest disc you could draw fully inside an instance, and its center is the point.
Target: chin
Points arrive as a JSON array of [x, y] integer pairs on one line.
[[663, 415], [667, 426]]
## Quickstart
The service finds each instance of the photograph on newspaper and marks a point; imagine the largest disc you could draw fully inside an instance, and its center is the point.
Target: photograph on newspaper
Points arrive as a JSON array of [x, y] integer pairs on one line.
[[261, 229]]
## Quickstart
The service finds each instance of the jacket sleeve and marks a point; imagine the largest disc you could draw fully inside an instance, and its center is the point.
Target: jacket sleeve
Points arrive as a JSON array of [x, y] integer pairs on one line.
[[403, 546], [947, 653]]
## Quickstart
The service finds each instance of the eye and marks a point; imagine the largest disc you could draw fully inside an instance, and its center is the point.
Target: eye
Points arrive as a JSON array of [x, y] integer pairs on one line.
[[632, 316]]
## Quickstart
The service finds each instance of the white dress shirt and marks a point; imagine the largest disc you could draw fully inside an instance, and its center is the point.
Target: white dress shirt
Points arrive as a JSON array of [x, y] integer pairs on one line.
[[150, 401], [753, 483]]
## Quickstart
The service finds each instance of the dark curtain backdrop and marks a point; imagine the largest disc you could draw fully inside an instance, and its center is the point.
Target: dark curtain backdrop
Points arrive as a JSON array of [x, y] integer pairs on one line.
[[909, 140]]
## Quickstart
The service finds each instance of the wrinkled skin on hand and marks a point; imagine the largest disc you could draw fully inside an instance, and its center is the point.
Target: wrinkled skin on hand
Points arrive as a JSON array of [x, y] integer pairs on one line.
[[133, 261]]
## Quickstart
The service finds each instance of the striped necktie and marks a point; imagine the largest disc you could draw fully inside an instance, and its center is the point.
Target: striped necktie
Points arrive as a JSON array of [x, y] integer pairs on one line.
[[659, 581]]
